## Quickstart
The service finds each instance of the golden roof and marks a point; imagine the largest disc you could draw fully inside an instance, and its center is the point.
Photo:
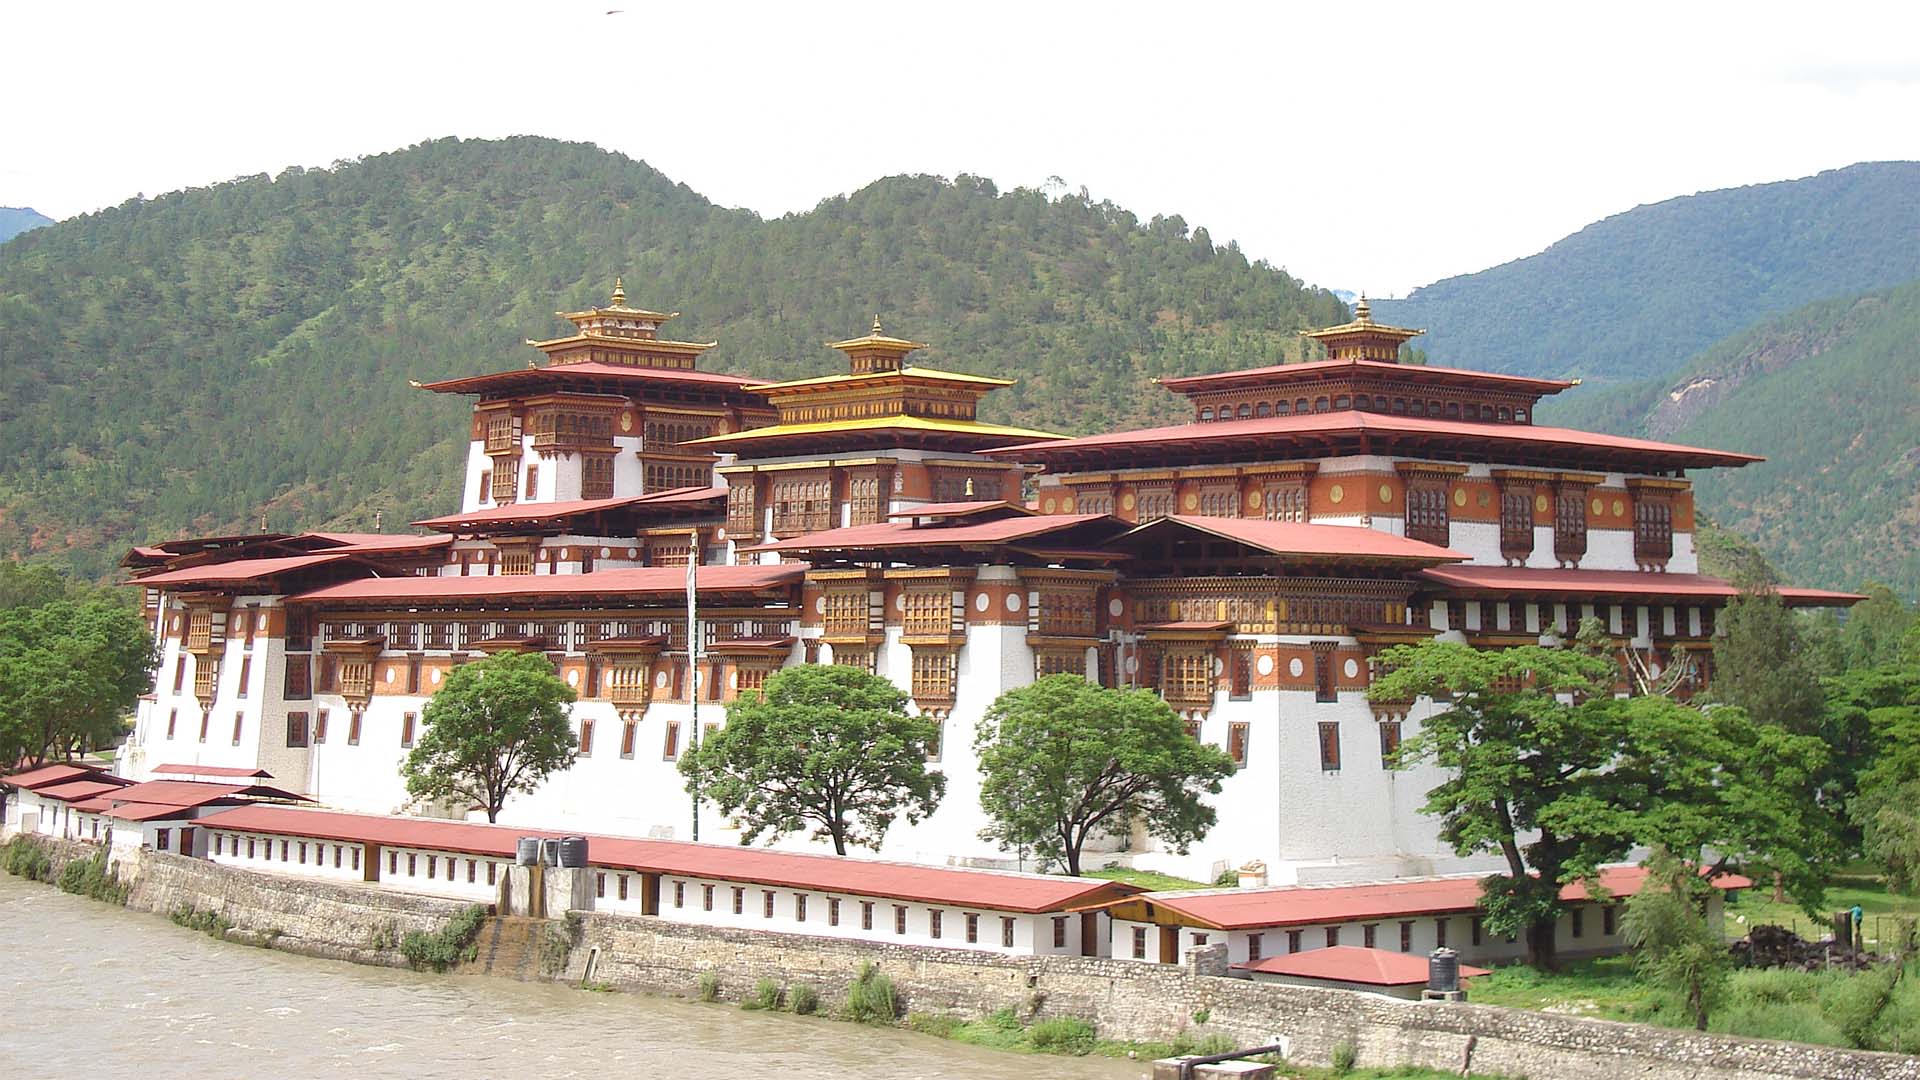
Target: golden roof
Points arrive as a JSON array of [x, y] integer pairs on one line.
[[1363, 324], [619, 307], [638, 344], [849, 378], [897, 422], [877, 339]]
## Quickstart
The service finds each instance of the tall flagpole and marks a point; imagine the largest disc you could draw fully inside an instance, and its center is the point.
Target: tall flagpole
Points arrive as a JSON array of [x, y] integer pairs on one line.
[[693, 662]]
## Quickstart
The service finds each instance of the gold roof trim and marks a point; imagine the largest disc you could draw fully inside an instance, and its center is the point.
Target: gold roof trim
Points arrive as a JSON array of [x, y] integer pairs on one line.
[[899, 421], [845, 379]]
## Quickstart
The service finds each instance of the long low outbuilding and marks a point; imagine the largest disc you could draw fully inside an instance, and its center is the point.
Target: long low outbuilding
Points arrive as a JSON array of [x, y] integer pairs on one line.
[[705, 884]]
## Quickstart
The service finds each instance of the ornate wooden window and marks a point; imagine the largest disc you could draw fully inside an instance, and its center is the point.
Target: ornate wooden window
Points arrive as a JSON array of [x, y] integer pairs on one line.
[[925, 613], [596, 477], [1237, 735], [206, 680], [299, 677], [743, 513], [848, 613], [1093, 500], [1389, 742], [503, 433], [1329, 746], [668, 475], [853, 657], [1220, 501], [585, 748], [1570, 523], [506, 477], [802, 506], [1652, 527], [1516, 522], [865, 500], [663, 431], [1324, 688], [1427, 514], [533, 481], [933, 677], [297, 729], [516, 561], [752, 677], [1154, 502], [958, 486], [1060, 662], [1067, 613], [670, 751], [200, 630], [629, 731], [356, 678], [1240, 670], [1284, 501], [1187, 678]]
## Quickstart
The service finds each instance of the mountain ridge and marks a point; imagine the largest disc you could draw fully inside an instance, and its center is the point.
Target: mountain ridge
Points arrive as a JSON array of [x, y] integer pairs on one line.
[[15, 220]]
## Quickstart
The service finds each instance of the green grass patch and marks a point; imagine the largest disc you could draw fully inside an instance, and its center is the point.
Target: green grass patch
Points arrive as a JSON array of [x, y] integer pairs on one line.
[[1148, 879], [1755, 907]]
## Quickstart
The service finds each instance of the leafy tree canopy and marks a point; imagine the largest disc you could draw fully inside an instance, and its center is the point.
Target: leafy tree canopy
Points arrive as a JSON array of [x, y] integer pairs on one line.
[[1062, 760], [70, 672], [1546, 768], [1674, 945], [497, 727], [821, 746]]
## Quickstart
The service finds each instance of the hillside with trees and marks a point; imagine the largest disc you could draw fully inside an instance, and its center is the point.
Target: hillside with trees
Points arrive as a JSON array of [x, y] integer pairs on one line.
[[1830, 393], [1637, 294], [221, 357]]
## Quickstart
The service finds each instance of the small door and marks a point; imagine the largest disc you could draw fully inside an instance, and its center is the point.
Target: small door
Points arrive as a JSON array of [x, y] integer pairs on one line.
[[1169, 944], [1089, 933], [649, 894], [186, 842], [370, 863]]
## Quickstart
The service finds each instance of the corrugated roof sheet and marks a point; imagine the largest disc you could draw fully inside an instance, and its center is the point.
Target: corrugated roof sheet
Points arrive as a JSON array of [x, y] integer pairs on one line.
[[1511, 579], [1297, 905], [895, 534], [1296, 538], [1353, 964], [210, 770], [638, 581], [79, 790], [996, 890], [57, 773], [242, 571], [547, 511]]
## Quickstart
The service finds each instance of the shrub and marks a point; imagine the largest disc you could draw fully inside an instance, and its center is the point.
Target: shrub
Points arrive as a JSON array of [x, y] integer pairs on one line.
[[1795, 1022], [803, 1000], [941, 1027], [709, 986], [27, 859], [1854, 1004], [1228, 879], [449, 945], [90, 877], [207, 922], [766, 995], [870, 998], [1062, 1035], [1344, 1055], [1201, 1016], [1215, 1044]]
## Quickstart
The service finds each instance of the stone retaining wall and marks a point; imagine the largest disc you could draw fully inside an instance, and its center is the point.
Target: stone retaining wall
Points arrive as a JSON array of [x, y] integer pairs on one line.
[[1135, 1001]]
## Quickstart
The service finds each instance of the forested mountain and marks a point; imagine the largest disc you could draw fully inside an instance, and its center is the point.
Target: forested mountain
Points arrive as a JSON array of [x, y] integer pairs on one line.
[[209, 358], [1637, 294], [15, 220], [1830, 393]]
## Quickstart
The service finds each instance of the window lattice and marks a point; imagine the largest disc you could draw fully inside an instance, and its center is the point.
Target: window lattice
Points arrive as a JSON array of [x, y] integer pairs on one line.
[[847, 614], [1570, 524], [926, 612], [1516, 523], [596, 477], [1427, 518], [1285, 502]]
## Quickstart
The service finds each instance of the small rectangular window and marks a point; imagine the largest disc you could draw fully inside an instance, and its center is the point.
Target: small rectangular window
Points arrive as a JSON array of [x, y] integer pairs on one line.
[[353, 728], [1406, 936], [1476, 928], [162, 838], [1293, 941], [1237, 734], [296, 729], [250, 847], [393, 863], [473, 871], [284, 847], [679, 894], [899, 919], [303, 853], [706, 898], [799, 907], [933, 922], [1060, 932], [766, 903], [1006, 932], [1139, 943], [739, 900], [671, 749], [1329, 745], [406, 729], [600, 885], [1609, 924], [866, 914], [239, 720], [1254, 942], [1333, 936], [973, 929], [586, 737], [1440, 933], [833, 911], [246, 676], [355, 862], [433, 866], [413, 865], [1579, 922], [1389, 742]]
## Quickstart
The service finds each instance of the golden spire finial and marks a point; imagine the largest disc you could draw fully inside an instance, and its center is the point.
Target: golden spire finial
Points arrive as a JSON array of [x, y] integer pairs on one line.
[[969, 487], [1362, 311], [876, 326], [619, 292]]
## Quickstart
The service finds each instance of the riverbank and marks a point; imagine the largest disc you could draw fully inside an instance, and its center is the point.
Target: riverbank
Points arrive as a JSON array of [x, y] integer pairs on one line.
[[1117, 999]]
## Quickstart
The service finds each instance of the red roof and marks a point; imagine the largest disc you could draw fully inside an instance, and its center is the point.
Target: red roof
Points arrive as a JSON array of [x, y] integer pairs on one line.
[[899, 534], [46, 775], [371, 542], [551, 373], [1308, 427], [1279, 374], [960, 509], [1295, 905], [1296, 538], [212, 770], [241, 571], [79, 790], [637, 581], [1512, 579], [996, 890], [1353, 964], [553, 511]]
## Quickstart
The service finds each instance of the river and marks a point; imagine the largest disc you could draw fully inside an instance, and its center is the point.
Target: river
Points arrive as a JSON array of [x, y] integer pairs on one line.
[[104, 993]]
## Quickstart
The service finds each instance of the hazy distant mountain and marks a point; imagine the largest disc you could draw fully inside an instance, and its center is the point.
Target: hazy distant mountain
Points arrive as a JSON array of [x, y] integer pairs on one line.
[[15, 220], [1830, 393], [1637, 294]]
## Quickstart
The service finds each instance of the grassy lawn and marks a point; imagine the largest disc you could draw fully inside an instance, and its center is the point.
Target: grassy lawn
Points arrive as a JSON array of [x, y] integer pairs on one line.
[[1147, 879], [1604, 987], [1755, 906]]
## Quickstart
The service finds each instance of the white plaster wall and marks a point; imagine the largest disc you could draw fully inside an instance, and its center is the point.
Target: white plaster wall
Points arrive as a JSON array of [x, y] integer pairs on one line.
[[471, 496]]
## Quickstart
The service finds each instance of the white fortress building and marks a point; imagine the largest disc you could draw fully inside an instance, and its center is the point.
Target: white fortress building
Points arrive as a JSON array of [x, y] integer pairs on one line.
[[1248, 566]]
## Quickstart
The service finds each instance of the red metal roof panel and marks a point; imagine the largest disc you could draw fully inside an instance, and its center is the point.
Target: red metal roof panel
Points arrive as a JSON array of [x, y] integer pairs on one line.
[[241, 571], [637, 581], [892, 534], [56, 773], [1353, 964], [1521, 579], [997, 890], [211, 770], [1278, 374], [1296, 538], [79, 790], [549, 511]]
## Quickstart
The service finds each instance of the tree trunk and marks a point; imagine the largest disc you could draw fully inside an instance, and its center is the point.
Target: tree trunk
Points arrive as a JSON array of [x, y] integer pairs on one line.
[[1541, 952], [1697, 1001], [1779, 888], [839, 834]]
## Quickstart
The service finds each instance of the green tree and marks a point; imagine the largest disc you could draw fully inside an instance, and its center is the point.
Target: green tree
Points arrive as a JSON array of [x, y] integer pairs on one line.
[[1886, 804], [1760, 663], [1876, 628], [1674, 946], [496, 727], [70, 672], [1548, 769], [1062, 760], [825, 746]]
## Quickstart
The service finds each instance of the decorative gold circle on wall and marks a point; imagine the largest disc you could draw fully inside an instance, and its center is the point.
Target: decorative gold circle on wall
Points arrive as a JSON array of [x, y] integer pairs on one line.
[[1126, 501], [1619, 508], [1192, 501], [1599, 507], [1386, 494], [1539, 504], [1336, 493], [1253, 500], [626, 421], [1459, 496], [1048, 506]]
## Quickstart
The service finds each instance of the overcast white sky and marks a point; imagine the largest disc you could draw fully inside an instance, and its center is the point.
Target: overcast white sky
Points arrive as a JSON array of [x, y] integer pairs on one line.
[[1372, 146]]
